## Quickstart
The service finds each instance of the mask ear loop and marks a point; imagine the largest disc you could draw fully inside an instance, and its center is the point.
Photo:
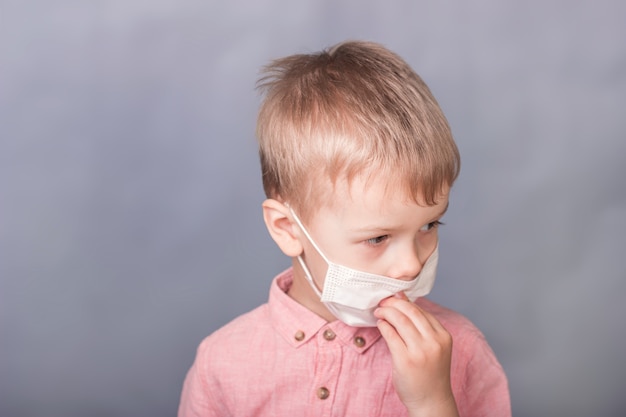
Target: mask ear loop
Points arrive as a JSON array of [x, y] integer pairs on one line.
[[308, 276], [308, 236], [307, 273]]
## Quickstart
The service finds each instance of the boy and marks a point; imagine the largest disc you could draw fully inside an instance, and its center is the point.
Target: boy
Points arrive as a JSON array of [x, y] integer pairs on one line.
[[357, 162]]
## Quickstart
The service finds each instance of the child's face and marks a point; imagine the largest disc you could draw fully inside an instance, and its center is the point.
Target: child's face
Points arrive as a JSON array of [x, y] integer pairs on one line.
[[373, 231]]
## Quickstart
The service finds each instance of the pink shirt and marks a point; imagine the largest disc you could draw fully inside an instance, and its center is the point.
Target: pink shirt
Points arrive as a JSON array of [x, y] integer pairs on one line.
[[283, 360]]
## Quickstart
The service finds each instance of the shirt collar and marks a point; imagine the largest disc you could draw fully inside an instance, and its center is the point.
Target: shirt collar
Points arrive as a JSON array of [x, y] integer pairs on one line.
[[298, 325]]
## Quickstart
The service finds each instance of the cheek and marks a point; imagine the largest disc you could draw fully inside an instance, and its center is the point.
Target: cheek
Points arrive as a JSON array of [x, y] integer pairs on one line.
[[356, 255], [316, 264], [427, 245]]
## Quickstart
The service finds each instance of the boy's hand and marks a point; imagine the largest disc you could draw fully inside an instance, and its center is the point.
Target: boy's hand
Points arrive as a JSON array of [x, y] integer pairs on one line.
[[421, 351]]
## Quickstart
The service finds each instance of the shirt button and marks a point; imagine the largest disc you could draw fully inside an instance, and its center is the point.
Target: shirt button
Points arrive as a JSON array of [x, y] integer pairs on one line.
[[299, 336], [323, 393], [329, 334], [359, 341]]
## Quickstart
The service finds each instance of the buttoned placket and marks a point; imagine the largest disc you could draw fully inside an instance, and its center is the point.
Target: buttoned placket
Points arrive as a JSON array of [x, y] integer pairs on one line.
[[327, 366]]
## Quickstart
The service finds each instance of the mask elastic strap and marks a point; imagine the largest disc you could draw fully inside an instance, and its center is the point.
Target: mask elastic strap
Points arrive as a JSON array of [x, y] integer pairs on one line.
[[308, 276], [308, 236]]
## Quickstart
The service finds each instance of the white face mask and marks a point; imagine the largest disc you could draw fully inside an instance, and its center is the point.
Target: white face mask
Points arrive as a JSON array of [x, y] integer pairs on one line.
[[352, 295]]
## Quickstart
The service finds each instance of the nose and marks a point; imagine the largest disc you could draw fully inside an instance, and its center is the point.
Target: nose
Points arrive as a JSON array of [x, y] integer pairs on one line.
[[408, 264]]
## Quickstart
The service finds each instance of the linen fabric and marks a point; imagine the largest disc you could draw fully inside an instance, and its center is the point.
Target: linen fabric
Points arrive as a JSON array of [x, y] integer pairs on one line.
[[281, 359]]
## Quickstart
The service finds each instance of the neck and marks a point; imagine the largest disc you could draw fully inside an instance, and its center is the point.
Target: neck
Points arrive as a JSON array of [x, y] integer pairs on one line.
[[302, 292]]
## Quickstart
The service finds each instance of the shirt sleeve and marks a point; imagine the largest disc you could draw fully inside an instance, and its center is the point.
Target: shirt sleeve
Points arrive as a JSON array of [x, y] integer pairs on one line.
[[482, 389], [199, 396]]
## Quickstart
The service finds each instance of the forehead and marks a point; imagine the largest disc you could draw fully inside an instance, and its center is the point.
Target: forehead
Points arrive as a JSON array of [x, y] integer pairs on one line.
[[369, 199]]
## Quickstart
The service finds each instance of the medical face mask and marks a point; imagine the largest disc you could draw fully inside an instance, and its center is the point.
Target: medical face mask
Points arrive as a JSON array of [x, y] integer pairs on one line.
[[352, 295]]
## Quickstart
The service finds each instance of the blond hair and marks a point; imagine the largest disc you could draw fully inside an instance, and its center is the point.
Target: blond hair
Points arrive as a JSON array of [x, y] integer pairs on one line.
[[355, 109]]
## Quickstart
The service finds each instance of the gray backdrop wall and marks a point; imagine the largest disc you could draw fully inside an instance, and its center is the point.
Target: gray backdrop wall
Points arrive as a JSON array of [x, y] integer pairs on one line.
[[130, 222]]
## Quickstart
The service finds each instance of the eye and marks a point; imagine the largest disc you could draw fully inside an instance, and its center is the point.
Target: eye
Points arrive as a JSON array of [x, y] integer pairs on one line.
[[431, 226], [375, 241]]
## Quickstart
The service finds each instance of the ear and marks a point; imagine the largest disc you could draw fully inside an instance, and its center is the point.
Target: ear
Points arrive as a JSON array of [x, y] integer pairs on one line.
[[284, 232]]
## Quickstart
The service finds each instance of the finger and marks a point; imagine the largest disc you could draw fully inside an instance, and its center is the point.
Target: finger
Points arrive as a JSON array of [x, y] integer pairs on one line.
[[402, 325], [422, 320], [395, 343], [401, 295], [413, 305], [431, 319], [434, 322]]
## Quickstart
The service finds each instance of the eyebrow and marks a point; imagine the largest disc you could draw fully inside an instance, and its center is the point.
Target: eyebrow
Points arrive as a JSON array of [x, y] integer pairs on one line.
[[442, 212], [368, 229]]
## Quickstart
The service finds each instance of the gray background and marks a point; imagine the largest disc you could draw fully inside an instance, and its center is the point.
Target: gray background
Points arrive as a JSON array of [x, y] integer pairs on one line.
[[130, 221]]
